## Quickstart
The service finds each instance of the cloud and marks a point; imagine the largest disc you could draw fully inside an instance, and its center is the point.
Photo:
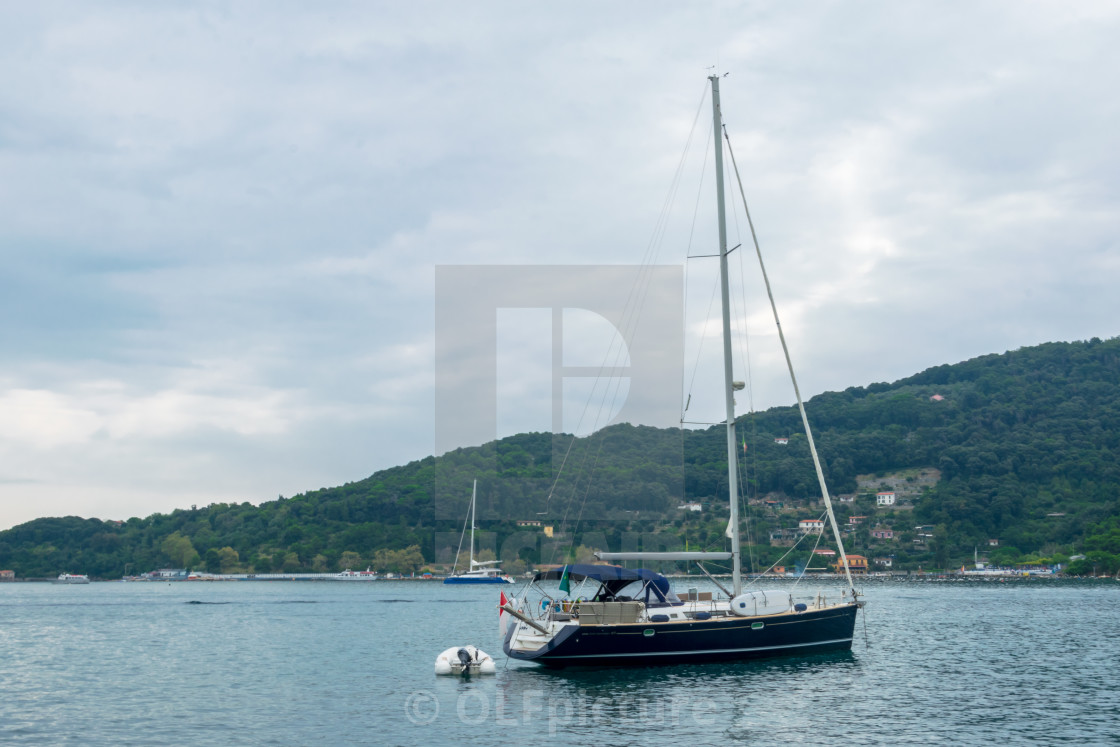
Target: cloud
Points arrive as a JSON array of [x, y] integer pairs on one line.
[[219, 224], [44, 419]]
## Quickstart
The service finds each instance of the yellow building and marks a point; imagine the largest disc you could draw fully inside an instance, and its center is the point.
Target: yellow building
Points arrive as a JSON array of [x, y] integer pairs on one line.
[[856, 564]]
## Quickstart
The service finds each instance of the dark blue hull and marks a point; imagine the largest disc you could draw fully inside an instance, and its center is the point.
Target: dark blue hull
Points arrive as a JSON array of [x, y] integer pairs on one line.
[[695, 641]]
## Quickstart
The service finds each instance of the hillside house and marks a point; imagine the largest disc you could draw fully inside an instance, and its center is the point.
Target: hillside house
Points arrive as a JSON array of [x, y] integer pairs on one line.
[[853, 520], [784, 537], [882, 533], [690, 507], [810, 526], [781, 441], [886, 498], [857, 564]]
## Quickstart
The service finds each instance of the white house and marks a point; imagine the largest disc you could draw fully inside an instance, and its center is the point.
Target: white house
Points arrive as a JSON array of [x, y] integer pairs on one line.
[[781, 440], [690, 507], [885, 498], [808, 526]]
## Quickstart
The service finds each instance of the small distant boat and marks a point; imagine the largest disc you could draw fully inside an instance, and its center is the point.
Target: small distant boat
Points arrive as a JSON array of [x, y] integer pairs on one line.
[[479, 572], [71, 578], [349, 575], [464, 660]]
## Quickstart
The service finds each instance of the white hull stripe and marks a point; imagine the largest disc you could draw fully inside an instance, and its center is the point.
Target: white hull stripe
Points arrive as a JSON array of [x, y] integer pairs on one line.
[[695, 652]]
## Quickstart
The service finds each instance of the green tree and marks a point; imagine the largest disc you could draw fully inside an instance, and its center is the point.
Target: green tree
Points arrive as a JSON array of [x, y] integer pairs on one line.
[[228, 560], [584, 554], [349, 559], [180, 550], [399, 561], [213, 561]]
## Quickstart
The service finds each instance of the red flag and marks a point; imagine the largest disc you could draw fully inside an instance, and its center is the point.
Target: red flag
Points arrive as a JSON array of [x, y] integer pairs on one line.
[[502, 622]]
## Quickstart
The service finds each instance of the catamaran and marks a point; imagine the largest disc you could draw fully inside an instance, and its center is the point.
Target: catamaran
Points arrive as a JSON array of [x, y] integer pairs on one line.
[[623, 616]]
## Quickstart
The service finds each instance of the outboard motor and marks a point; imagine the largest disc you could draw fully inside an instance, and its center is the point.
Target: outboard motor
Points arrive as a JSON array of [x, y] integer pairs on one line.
[[465, 660]]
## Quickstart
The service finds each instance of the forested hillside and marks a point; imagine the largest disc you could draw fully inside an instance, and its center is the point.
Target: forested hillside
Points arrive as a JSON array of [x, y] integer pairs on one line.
[[1027, 446]]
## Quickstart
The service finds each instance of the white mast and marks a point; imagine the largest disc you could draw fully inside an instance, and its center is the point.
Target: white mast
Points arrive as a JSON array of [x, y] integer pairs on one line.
[[474, 490], [729, 396]]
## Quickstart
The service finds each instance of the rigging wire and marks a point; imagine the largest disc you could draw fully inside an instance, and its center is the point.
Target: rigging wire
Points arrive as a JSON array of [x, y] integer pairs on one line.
[[688, 256], [459, 551], [617, 349], [787, 553], [793, 378]]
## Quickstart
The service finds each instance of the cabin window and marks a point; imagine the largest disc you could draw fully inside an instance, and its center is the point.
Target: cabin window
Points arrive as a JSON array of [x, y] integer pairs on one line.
[[757, 626]]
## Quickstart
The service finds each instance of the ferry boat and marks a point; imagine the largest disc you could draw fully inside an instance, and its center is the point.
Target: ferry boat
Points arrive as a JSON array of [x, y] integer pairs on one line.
[[349, 575]]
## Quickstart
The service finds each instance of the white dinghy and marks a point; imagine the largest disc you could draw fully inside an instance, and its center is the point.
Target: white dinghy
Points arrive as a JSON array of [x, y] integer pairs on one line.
[[464, 660]]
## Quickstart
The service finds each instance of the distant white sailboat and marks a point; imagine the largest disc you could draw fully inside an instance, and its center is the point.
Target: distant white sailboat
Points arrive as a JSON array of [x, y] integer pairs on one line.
[[478, 572]]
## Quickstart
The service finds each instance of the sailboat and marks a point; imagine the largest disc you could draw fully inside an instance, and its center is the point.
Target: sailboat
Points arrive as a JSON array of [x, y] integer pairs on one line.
[[478, 572], [633, 616]]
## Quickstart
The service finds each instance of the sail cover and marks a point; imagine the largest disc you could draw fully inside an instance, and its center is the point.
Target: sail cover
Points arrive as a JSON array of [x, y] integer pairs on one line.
[[615, 578]]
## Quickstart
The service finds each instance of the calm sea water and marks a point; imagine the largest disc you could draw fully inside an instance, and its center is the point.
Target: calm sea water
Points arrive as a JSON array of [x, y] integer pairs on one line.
[[337, 664]]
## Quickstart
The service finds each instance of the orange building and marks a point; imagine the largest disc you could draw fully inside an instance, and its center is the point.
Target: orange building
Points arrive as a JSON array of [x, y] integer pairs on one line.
[[856, 564]]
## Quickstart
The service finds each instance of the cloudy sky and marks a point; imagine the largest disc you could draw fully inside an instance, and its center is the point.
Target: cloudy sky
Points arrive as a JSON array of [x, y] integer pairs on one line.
[[220, 222]]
